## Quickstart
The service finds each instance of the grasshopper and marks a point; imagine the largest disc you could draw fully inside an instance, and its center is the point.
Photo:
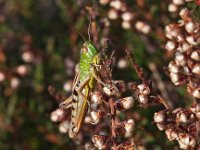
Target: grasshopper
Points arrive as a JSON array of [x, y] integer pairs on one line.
[[86, 75]]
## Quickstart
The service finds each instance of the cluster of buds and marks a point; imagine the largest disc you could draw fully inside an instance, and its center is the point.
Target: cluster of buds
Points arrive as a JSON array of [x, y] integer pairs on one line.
[[14, 82], [96, 116], [59, 115], [14, 74], [143, 27], [119, 9], [144, 91], [120, 128], [184, 41], [99, 141], [180, 125], [175, 4], [125, 128]]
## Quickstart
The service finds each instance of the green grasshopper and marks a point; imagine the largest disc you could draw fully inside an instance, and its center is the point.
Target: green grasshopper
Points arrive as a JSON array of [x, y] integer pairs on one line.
[[86, 75]]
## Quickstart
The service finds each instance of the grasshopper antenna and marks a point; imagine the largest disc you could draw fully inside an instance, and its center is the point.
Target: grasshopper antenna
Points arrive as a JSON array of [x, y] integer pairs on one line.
[[76, 30], [89, 28]]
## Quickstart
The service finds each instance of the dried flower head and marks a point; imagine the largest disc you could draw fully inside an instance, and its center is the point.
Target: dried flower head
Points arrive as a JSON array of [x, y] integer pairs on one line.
[[99, 141], [124, 103], [186, 141]]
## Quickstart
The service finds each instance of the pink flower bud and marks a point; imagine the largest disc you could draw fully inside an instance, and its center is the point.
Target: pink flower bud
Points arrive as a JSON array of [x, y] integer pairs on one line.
[[144, 89], [171, 134], [99, 141], [143, 99], [129, 125], [127, 145], [186, 141], [184, 13], [195, 55], [111, 90], [126, 24], [124, 103], [117, 4], [68, 86], [96, 116], [161, 126], [57, 115], [122, 63], [120, 84], [142, 27], [64, 126], [22, 70], [180, 59], [184, 47], [170, 45], [127, 16], [196, 69], [190, 27], [2, 76], [97, 98], [87, 119], [175, 78], [104, 2], [14, 82], [159, 117], [172, 7], [27, 56], [195, 107], [112, 14], [191, 40], [178, 2], [173, 68], [196, 93], [181, 117], [89, 146]]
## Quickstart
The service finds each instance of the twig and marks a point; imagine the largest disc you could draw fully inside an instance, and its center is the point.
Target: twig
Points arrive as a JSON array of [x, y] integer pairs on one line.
[[161, 100], [160, 83], [138, 70], [55, 94], [113, 125]]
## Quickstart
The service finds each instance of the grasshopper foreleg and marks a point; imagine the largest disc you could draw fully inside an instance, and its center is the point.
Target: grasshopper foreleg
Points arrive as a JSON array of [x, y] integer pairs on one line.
[[95, 76], [67, 103]]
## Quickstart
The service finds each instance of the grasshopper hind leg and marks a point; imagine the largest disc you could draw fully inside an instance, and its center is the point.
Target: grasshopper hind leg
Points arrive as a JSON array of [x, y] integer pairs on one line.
[[68, 102]]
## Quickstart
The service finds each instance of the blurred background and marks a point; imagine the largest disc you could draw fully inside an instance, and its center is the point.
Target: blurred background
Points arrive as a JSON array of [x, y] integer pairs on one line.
[[39, 48]]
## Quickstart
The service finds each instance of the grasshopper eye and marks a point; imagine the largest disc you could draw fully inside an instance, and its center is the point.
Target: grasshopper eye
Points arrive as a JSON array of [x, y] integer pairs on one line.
[[84, 49]]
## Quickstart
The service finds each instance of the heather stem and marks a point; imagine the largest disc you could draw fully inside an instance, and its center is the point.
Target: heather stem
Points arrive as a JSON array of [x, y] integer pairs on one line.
[[113, 114]]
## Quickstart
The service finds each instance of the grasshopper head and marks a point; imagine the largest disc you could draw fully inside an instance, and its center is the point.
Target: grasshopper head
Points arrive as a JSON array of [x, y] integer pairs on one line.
[[89, 56], [89, 49]]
